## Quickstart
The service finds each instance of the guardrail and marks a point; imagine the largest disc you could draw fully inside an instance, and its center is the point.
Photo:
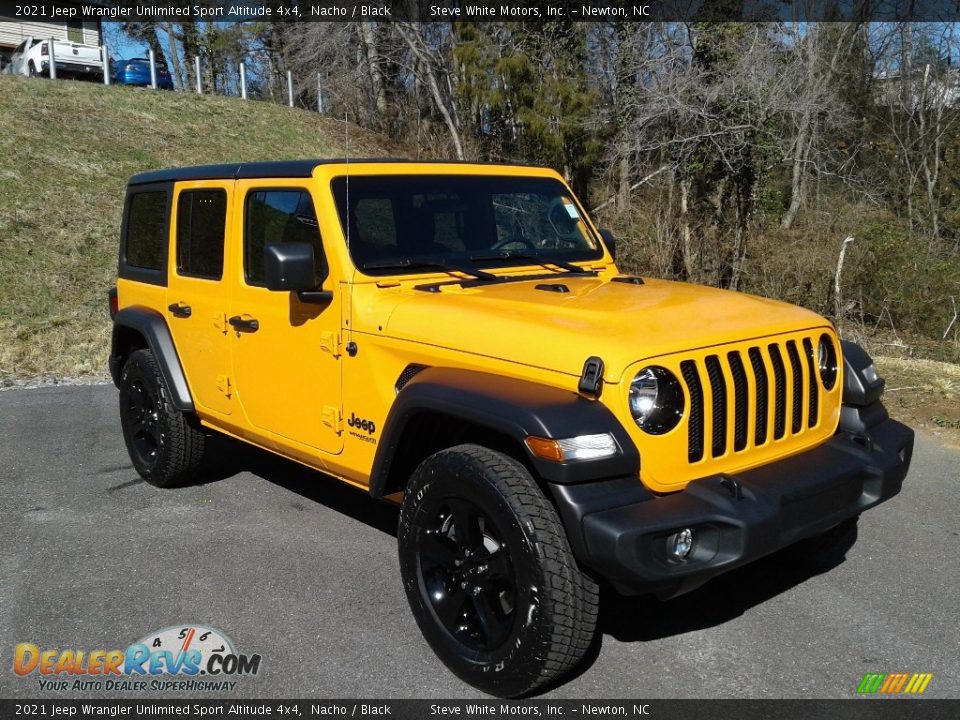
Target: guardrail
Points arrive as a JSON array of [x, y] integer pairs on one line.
[[197, 64]]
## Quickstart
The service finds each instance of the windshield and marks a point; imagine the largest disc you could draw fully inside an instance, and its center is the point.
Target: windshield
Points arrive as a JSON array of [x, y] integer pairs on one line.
[[402, 223]]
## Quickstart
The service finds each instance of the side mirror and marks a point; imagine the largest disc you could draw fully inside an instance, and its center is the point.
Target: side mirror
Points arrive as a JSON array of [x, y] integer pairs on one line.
[[610, 241], [291, 267]]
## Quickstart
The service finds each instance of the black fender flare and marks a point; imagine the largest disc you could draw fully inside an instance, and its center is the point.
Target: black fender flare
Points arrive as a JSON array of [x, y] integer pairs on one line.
[[514, 408], [153, 327]]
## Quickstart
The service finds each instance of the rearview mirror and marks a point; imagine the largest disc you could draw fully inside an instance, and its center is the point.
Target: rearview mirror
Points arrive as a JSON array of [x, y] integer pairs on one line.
[[291, 267], [610, 241]]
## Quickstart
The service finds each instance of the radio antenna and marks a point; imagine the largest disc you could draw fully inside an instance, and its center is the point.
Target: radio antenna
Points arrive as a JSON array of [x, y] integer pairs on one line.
[[346, 152]]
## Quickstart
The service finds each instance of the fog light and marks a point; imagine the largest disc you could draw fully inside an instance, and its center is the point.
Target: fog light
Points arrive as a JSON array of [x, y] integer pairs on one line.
[[682, 544]]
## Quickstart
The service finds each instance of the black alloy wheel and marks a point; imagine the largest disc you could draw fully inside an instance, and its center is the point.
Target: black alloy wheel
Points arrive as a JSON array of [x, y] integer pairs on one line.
[[489, 574], [467, 574], [165, 445]]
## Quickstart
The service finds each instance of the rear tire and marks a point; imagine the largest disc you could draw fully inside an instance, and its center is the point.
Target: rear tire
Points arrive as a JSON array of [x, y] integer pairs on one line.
[[489, 574], [164, 445]]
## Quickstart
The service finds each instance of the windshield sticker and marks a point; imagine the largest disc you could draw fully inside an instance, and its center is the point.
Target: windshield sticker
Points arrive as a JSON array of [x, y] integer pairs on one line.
[[572, 211]]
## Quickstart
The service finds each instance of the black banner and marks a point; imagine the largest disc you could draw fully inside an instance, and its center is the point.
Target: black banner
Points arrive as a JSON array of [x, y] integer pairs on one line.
[[885, 709], [483, 10]]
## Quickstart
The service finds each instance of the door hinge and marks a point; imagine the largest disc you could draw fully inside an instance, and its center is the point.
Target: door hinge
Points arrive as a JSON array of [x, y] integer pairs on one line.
[[224, 385], [330, 342], [332, 418], [220, 322]]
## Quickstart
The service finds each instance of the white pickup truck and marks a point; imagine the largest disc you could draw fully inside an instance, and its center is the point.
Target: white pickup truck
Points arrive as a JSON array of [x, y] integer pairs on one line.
[[32, 57]]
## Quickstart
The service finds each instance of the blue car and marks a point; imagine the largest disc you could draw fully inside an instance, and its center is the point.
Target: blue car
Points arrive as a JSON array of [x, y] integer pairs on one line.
[[136, 71]]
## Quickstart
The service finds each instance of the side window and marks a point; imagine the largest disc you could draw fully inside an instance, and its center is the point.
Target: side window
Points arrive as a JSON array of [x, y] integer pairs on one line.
[[75, 31], [201, 221], [277, 216], [146, 242]]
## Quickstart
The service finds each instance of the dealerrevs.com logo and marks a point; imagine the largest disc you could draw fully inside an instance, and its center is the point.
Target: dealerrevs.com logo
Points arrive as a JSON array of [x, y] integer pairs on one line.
[[186, 658]]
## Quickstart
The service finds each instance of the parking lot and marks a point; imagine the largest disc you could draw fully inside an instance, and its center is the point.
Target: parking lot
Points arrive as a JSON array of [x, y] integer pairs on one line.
[[289, 564]]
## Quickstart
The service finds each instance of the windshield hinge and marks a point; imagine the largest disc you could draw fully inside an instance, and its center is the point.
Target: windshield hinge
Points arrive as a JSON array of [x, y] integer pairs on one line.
[[330, 342]]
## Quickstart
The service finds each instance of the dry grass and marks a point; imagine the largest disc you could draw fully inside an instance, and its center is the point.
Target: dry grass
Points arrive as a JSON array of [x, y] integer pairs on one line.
[[923, 393], [68, 150]]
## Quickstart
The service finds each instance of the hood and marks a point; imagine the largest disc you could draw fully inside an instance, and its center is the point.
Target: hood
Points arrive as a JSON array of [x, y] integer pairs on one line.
[[619, 322]]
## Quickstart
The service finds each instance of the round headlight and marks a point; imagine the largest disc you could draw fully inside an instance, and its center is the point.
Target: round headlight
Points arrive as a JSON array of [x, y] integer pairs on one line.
[[827, 361], [656, 400]]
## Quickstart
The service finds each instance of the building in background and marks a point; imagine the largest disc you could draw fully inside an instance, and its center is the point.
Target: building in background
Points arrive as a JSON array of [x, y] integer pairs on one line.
[[13, 32]]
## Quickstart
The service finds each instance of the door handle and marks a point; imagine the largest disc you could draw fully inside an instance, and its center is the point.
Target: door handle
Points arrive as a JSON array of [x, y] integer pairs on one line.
[[180, 311], [239, 323]]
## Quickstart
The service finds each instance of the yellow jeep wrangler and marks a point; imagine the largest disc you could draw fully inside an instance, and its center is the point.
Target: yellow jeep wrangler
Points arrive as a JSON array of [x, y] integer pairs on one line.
[[458, 338]]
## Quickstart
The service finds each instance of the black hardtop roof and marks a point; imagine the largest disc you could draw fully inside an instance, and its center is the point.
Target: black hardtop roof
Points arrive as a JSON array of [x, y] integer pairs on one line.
[[276, 169]]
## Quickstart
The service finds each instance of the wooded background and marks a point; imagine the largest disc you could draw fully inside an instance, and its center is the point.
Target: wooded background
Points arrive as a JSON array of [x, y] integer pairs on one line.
[[742, 155]]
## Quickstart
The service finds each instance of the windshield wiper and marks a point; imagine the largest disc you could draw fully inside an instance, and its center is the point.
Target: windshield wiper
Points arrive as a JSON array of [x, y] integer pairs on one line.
[[568, 267], [437, 264]]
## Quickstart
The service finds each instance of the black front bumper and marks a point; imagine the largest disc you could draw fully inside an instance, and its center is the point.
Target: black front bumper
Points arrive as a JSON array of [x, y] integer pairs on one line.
[[622, 532]]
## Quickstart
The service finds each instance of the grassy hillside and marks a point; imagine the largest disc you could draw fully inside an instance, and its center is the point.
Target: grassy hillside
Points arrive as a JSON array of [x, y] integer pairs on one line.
[[67, 149]]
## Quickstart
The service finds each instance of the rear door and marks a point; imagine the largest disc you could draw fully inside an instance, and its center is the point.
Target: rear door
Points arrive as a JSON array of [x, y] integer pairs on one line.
[[196, 296]]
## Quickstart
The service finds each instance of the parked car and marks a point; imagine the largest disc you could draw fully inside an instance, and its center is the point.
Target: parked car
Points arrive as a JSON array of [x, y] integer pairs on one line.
[[459, 339], [136, 71], [76, 60]]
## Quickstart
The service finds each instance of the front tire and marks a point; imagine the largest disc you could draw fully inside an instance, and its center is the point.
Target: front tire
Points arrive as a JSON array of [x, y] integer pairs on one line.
[[489, 574], [164, 445]]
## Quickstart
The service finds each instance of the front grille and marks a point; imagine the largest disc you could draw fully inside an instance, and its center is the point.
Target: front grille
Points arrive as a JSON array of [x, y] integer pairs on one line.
[[745, 388]]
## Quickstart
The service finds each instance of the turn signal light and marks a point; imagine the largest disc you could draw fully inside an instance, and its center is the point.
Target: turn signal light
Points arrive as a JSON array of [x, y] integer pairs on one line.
[[582, 447]]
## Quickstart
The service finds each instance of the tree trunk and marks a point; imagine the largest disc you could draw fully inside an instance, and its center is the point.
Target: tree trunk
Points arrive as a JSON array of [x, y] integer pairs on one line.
[[438, 99], [174, 55], [376, 70], [686, 234], [623, 189], [797, 182]]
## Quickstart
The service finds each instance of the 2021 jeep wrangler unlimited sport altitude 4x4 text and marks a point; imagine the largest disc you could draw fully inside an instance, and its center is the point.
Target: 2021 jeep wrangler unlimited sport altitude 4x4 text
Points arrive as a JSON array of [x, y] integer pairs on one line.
[[458, 335]]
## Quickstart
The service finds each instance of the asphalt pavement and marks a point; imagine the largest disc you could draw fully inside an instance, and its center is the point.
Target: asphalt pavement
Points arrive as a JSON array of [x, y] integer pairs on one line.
[[292, 565]]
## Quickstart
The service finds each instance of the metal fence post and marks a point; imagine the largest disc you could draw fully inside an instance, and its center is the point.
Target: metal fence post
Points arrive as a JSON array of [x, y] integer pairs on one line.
[[153, 69], [290, 88], [52, 54], [319, 94], [105, 56], [243, 81], [196, 65]]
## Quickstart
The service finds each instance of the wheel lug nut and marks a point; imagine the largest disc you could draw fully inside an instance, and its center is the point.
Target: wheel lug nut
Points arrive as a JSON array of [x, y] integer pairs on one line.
[[463, 585], [476, 590]]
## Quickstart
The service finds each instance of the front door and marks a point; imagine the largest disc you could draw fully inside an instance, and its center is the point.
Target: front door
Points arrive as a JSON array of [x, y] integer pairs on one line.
[[286, 353], [196, 294]]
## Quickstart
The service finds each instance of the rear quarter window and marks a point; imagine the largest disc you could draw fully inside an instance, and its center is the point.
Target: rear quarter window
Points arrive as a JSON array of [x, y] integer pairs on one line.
[[143, 254]]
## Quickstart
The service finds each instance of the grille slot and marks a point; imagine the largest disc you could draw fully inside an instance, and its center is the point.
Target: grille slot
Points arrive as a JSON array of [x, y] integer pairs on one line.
[[779, 393], [813, 391], [740, 401], [797, 377], [763, 395], [691, 377], [719, 389]]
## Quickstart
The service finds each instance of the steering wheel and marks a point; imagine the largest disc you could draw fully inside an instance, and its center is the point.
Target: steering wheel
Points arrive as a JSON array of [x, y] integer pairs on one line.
[[515, 240]]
